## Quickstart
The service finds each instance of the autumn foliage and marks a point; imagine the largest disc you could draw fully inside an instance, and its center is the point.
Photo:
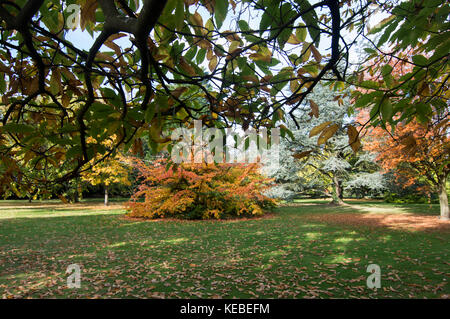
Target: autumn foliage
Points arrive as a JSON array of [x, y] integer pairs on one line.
[[199, 191], [414, 150], [418, 149]]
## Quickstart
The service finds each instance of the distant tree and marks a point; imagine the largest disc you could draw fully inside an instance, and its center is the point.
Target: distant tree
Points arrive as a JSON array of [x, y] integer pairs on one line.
[[416, 148], [314, 159], [366, 177], [416, 151], [113, 170]]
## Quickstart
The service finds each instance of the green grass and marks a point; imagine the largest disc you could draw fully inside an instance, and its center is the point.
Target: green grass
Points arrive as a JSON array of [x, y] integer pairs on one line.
[[282, 256]]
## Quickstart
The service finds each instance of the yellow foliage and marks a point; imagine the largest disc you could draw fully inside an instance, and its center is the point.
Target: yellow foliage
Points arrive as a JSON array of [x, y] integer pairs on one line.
[[114, 170]]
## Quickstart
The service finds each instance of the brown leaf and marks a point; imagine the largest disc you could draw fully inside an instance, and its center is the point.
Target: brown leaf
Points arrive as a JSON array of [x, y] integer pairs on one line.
[[327, 134], [353, 138], [316, 54], [301, 154], [87, 13], [319, 128], [314, 109], [186, 67], [178, 91]]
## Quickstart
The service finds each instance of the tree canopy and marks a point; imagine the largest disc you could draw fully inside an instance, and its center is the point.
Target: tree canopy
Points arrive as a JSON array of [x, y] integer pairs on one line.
[[154, 65]]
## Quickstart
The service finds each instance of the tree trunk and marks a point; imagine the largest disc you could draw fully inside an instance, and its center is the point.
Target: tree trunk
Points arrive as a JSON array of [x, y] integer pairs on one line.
[[106, 195], [443, 199], [76, 193], [337, 192], [340, 190]]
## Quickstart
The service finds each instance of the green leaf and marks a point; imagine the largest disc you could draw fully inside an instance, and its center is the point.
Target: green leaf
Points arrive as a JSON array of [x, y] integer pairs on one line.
[[179, 14], [387, 33], [220, 11], [420, 60], [17, 128], [2, 85], [386, 110], [424, 112], [73, 151], [370, 50], [243, 25], [190, 54], [386, 71], [265, 22], [311, 21], [200, 56], [301, 32], [370, 84], [149, 113], [365, 100], [100, 110]]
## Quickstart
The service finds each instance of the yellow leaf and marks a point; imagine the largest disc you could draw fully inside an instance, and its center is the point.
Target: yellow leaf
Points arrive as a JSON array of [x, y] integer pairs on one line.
[[301, 32], [104, 56], [209, 54], [293, 39], [233, 46], [306, 51], [87, 13], [263, 55], [293, 85], [213, 63], [65, 100]]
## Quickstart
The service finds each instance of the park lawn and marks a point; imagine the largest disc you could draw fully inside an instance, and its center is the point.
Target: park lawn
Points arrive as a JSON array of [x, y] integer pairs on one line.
[[288, 254]]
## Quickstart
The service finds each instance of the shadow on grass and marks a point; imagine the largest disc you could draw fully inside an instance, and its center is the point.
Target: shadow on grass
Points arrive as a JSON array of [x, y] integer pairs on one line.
[[283, 257]]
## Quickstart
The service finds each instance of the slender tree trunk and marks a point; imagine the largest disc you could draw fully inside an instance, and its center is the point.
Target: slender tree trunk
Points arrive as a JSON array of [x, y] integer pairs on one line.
[[337, 191], [340, 190], [106, 195], [443, 199], [76, 195]]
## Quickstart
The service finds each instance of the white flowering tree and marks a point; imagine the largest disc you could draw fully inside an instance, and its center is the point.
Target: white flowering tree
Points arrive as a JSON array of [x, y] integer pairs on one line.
[[319, 164], [366, 178]]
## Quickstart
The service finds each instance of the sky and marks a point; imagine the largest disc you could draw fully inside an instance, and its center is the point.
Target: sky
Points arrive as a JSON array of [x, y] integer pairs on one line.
[[83, 40]]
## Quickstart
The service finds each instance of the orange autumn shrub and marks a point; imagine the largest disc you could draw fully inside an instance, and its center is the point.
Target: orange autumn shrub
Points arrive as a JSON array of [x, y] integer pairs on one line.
[[199, 191]]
